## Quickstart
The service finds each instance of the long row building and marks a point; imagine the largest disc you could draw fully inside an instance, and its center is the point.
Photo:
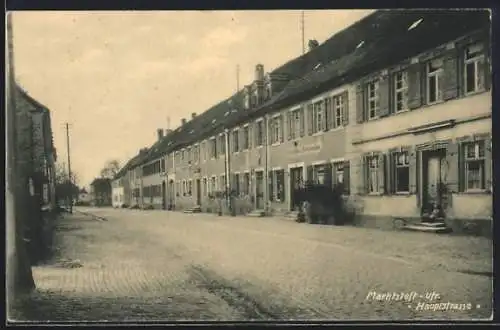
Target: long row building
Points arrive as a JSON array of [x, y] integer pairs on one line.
[[397, 107]]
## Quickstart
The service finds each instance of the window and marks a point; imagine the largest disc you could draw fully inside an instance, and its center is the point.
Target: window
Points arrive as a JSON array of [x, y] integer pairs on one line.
[[178, 188], [190, 188], [295, 123], [474, 72], [184, 188], [189, 155], [277, 185], [205, 187], [339, 173], [213, 184], [372, 175], [222, 144], [163, 165], [267, 92], [213, 148], [246, 183], [236, 184], [236, 142], [338, 110], [246, 137], [474, 157], [259, 133], [372, 99], [247, 101], [319, 174], [318, 117], [195, 154], [434, 79], [400, 86], [253, 101], [275, 129], [222, 182], [401, 172]]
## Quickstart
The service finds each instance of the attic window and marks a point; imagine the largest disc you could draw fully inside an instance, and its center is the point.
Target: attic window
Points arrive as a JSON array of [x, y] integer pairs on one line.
[[317, 66], [415, 24], [227, 113], [360, 44]]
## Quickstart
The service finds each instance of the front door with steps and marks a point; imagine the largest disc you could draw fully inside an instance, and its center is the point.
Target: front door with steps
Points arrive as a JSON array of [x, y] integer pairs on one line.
[[434, 179]]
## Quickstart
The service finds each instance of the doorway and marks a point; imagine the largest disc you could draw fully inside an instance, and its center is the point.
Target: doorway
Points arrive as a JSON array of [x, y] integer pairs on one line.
[[164, 195], [198, 192], [296, 180], [434, 170], [259, 190], [171, 195]]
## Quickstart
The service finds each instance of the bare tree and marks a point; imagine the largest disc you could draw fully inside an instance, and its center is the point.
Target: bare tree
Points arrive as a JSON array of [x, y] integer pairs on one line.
[[110, 169]]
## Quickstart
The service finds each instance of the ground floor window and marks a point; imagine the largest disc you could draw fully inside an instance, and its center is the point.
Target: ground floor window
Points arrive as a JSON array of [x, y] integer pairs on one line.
[[213, 184], [205, 186], [236, 184], [246, 183], [277, 185], [401, 171], [372, 173], [474, 167], [319, 174]]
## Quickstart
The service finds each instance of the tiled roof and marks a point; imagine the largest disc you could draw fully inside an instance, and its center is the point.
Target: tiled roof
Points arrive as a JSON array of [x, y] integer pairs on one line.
[[373, 43]]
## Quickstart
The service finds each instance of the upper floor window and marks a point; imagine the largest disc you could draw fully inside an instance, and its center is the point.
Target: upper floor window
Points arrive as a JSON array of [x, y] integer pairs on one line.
[[338, 110], [247, 101], [236, 142], [319, 121], [246, 138], [259, 133], [267, 92], [162, 165], [372, 99], [213, 148], [295, 123], [196, 154], [474, 68], [246, 183], [400, 87], [275, 129], [474, 157], [222, 144], [434, 80], [253, 100]]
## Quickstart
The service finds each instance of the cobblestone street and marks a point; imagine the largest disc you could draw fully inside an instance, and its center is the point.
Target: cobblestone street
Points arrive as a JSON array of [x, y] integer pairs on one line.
[[157, 265]]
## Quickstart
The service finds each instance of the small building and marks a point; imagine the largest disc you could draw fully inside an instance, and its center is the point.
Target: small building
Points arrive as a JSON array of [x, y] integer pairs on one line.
[[84, 197]]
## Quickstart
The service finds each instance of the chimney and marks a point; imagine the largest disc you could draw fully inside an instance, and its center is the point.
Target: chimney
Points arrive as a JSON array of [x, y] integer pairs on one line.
[[193, 115], [168, 131], [259, 72], [313, 44], [183, 121], [159, 131]]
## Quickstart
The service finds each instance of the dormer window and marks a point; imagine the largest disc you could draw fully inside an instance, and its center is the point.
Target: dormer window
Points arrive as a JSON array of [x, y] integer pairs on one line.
[[415, 24], [247, 101]]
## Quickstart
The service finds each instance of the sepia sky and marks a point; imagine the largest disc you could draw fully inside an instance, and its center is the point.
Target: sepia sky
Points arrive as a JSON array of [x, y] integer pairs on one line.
[[117, 76]]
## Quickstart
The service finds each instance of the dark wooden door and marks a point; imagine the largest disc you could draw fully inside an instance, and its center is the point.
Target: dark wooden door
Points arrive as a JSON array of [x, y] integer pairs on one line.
[[296, 180], [434, 178]]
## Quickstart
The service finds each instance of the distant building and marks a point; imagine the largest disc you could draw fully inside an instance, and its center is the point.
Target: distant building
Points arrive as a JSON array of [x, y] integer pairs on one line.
[[84, 197], [100, 192]]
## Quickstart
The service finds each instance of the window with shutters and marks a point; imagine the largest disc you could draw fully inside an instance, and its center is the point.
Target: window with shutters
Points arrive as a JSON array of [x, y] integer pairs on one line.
[[275, 130], [372, 163], [473, 71], [474, 158], [338, 110], [222, 144], [319, 174], [400, 88], [318, 117], [246, 138], [372, 99], [295, 124], [213, 147], [259, 133], [236, 140], [247, 101], [401, 173], [189, 155], [434, 81], [246, 183], [195, 154], [236, 183]]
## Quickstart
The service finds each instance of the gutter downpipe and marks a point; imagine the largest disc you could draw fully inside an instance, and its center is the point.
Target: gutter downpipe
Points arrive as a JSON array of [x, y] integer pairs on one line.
[[266, 167]]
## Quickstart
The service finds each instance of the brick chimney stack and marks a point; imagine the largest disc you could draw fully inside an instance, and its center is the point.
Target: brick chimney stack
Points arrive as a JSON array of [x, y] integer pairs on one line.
[[159, 131], [193, 115], [183, 121], [259, 72]]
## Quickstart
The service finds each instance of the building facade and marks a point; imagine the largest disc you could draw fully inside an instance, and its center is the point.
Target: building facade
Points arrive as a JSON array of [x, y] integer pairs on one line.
[[101, 192], [404, 132]]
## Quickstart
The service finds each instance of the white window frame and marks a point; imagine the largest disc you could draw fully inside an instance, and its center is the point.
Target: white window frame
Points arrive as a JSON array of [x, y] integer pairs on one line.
[[373, 164], [404, 164], [476, 158], [235, 137], [438, 75], [402, 90], [212, 147], [260, 122], [318, 116], [338, 167], [338, 110], [475, 60], [295, 123], [246, 137], [374, 99], [276, 129], [221, 139]]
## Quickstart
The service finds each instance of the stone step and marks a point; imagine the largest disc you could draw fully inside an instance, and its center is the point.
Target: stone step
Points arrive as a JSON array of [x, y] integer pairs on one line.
[[427, 229], [256, 213], [433, 224]]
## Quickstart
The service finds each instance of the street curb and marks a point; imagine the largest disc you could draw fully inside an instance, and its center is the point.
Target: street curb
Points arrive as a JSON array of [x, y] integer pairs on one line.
[[92, 215]]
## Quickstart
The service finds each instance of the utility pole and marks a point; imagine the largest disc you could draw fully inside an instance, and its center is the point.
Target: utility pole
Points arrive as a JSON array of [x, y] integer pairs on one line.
[[302, 27], [69, 172]]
